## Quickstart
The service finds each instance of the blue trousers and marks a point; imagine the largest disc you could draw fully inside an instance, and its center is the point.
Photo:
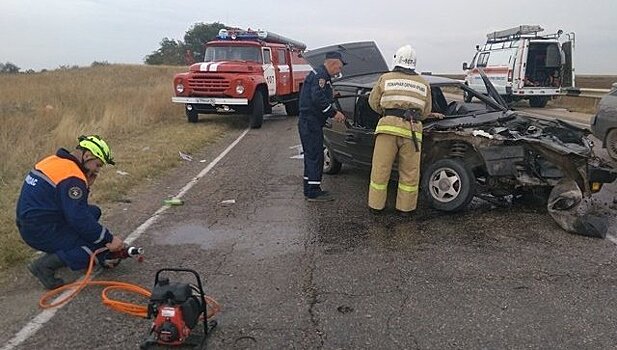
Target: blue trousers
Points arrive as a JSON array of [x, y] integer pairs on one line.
[[63, 240], [311, 136]]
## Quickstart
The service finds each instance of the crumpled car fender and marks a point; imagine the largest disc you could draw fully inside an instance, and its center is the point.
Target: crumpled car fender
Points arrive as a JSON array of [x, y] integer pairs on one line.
[[573, 213]]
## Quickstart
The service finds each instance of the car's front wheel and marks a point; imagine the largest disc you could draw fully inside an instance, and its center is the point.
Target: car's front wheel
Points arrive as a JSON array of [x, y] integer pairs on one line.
[[611, 143], [330, 164], [448, 184], [256, 117]]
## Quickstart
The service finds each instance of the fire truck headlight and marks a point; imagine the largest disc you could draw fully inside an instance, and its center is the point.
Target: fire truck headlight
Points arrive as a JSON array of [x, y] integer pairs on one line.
[[179, 88], [239, 89]]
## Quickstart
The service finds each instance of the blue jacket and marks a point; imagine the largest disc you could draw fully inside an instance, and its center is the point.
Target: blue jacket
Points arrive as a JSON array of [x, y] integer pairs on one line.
[[316, 97], [56, 192]]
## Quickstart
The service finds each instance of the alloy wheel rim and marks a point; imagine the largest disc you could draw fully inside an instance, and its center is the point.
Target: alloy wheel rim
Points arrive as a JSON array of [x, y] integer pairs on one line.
[[445, 185]]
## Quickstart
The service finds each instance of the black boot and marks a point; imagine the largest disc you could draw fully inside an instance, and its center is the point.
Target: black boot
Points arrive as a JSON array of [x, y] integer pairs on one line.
[[44, 268]]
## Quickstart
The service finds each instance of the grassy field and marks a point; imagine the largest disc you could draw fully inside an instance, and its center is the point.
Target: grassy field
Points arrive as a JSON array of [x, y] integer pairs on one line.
[[129, 106]]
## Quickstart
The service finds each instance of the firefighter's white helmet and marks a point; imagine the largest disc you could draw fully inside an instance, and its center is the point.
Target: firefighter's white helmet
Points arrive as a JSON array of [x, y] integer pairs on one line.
[[405, 57]]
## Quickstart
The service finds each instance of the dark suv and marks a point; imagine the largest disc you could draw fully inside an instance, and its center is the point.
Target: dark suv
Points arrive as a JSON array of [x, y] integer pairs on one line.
[[604, 123], [479, 149]]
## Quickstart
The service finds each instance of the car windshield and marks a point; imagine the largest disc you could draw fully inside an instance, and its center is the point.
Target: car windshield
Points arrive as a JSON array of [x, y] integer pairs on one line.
[[232, 53]]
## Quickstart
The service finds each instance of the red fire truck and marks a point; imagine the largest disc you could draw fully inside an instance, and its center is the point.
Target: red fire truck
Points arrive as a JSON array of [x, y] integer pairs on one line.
[[244, 72]]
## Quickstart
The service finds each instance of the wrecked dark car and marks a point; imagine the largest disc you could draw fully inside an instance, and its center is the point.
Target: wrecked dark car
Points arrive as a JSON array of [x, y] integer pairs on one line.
[[481, 149]]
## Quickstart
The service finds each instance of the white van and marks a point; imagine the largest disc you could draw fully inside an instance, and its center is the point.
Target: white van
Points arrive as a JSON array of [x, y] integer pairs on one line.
[[522, 64]]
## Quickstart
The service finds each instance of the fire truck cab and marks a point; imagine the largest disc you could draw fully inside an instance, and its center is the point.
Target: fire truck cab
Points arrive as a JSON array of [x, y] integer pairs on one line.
[[243, 72], [522, 64]]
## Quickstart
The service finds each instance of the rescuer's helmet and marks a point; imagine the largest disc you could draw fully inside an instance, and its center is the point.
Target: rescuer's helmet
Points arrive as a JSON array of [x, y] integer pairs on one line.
[[97, 147], [405, 57]]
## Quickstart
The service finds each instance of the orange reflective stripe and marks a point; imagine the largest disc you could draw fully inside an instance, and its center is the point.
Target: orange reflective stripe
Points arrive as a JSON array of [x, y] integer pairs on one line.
[[58, 169]]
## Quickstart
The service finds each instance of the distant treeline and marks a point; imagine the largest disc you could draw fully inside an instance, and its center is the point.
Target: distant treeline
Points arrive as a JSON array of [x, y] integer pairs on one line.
[[177, 52]]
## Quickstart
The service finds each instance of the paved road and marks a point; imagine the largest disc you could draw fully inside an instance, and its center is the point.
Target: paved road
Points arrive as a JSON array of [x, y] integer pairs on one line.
[[299, 275]]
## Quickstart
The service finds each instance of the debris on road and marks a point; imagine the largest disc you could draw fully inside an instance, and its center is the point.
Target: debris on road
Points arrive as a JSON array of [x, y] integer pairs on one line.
[[573, 213], [185, 156]]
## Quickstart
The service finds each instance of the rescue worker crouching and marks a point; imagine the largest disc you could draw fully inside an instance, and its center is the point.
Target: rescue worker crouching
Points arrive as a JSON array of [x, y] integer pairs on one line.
[[316, 98], [53, 214], [403, 99]]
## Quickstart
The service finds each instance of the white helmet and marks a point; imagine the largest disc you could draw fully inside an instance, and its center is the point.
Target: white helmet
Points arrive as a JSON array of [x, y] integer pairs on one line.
[[405, 57]]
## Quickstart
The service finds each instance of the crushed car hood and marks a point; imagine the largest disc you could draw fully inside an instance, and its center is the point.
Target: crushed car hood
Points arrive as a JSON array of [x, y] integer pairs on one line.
[[361, 57]]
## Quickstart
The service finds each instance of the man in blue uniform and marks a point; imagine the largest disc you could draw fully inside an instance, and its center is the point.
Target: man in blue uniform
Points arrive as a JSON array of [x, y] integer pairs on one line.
[[53, 214], [316, 98]]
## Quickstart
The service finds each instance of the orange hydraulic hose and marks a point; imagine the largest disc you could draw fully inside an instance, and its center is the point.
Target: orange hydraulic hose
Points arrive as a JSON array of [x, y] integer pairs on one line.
[[120, 306]]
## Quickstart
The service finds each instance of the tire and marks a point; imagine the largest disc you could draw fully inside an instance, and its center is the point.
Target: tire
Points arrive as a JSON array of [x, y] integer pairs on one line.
[[256, 117], [331, 166], [611, 143], [192, 116], [448, 185], [292, 108], [538, 101]]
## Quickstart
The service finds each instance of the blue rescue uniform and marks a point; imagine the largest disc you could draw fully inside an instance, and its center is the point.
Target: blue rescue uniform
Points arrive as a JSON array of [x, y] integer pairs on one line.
[[53, 214], [316, 107]]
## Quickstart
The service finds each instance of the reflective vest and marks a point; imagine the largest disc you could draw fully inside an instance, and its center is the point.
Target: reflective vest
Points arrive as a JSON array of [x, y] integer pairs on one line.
[[400, 90]]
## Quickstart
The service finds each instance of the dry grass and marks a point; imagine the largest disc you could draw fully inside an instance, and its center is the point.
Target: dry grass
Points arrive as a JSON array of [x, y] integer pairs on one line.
[[129, 106]]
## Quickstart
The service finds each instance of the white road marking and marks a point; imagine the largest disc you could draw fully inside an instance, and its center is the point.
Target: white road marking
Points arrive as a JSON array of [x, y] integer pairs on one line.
[[300, 151], [39, 320], [611, 238]]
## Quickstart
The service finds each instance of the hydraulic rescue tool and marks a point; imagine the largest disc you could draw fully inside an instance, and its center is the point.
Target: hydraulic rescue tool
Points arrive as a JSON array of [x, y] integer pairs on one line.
[[177, 308], [113, 258]]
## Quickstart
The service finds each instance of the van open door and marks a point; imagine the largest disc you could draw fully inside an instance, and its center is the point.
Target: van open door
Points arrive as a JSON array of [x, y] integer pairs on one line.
[[520, 64], [568, 66]]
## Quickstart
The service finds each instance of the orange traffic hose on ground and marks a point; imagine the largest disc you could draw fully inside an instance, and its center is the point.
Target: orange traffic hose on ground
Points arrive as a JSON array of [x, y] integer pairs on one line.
[[138, 310]]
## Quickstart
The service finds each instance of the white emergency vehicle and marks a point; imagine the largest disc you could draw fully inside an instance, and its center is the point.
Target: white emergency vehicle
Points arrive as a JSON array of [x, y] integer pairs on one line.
[[522, 64]]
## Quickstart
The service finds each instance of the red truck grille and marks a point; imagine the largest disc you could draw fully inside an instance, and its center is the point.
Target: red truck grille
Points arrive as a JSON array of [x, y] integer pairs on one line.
[[208, 84]]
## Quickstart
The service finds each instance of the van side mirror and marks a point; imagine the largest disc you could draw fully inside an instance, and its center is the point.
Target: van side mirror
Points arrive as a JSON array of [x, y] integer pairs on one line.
[[465, 67]]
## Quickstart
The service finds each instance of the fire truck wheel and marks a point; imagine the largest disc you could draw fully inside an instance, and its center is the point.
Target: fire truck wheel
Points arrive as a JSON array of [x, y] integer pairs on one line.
[[292, 108], [192, 116], [538, 101], [256, 117]]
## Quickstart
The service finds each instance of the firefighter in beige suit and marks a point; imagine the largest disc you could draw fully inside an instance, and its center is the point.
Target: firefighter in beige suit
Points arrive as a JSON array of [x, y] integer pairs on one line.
[[403, 99]]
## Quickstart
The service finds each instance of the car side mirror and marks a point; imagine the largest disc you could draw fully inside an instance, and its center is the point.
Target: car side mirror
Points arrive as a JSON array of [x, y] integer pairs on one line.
[[465, 67]]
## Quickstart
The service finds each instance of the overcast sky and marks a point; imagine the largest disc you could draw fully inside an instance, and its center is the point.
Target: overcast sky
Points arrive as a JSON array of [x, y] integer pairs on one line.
[[47, 34]]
